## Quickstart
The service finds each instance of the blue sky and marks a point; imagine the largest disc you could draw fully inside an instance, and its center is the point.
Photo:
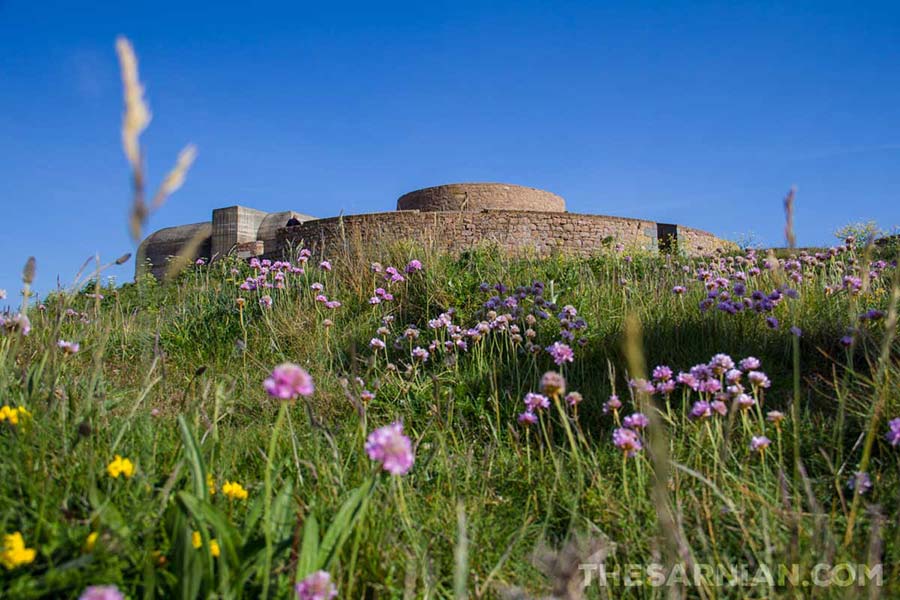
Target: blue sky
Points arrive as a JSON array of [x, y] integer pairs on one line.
[[699, 113]]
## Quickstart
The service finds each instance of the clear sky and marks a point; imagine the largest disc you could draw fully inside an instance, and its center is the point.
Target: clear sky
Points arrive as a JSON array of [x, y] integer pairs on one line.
[[698, 113]]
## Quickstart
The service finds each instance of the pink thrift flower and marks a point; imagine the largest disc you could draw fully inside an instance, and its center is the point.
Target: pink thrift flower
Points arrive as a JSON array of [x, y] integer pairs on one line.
[[751, 363], [68, 347], [536, 401], [758, 379], [391, 448], [759, 443], [636, 421], [573, 398], [561, 353], [102, 592], [893, 434], [627, 441], [612, 405], [288, 381], [317, 586], [527, 418]]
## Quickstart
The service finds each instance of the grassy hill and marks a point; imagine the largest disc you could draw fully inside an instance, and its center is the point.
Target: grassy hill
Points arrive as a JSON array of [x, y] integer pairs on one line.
[[120, 456]]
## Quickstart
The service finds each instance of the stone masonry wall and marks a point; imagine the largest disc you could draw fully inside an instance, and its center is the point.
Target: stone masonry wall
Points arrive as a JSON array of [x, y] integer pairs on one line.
[[481, 196], [540, 233]]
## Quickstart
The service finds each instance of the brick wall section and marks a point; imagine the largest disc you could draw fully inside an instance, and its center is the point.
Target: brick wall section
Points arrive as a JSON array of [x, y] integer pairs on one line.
[[514, 231], [481, 196]]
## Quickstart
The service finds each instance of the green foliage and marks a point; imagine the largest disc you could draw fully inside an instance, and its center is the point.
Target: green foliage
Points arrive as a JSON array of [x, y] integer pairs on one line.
[[170, 377]]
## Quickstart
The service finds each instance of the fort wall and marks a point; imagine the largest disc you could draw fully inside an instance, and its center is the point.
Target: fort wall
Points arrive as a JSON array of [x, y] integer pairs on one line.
[[454, 217], [524, 232]]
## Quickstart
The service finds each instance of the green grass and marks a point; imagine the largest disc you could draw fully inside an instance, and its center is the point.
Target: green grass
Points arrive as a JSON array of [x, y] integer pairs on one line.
[[170, 377]]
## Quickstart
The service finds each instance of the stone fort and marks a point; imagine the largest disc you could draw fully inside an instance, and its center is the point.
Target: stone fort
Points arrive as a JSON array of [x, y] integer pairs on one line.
[[453, 217]]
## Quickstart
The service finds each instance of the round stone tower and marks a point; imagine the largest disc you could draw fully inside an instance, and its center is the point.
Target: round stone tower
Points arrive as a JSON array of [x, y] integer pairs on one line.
[[481, 196]]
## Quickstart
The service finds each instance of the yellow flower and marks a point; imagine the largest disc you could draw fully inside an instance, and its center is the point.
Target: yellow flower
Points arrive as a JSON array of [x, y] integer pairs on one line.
[[14, 552], [211, 484], [197, 543], [234, 490], [120, 466], [9, 414], [14, 415], [91, 541]]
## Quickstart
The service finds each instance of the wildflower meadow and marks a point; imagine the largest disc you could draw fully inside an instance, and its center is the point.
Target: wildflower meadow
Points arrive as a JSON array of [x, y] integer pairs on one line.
[[391, 422], [437, 426]]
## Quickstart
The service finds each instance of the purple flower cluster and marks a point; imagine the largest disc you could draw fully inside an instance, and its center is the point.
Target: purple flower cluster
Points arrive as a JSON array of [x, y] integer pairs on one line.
[[381, 295], [513, 316], [273, 275]]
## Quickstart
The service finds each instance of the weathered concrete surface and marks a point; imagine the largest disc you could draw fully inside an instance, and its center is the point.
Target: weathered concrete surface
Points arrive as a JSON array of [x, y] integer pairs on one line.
[[268, 228], [159, 247]]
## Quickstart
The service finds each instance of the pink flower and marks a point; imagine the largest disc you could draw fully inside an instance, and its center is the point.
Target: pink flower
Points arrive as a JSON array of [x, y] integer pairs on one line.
[[527, 418], [561, 353], [391, 448], [612, 405], [759, 443], [758, 379], [102, 592], [573, 398], [317, 586], [536, 401], [627, 441], [325, 265], [413, 266], [751, 363], [288, 381], [636, 421], [68, 347]]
